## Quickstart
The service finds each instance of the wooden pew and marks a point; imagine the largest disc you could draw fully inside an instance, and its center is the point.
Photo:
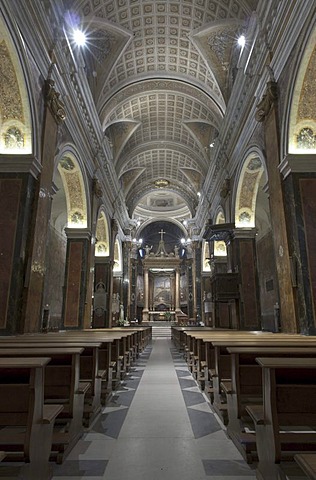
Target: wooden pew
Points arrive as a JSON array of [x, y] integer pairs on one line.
[[307, 462], [245, 387], [89, 371], [222, 367], [26, 423], [286, 420], [63, 386], [94, 361]]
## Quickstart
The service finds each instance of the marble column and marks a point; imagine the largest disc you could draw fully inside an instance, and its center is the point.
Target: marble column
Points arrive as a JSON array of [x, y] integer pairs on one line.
[[76, 277], [34, 285], [177, 292], [17, 193], [194, 246], [299, 178], [100, 304], [146, 295], [267, 112]]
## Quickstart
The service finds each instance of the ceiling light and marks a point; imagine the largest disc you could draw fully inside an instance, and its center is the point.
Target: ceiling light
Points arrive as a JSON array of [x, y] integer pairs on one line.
[[241, 40], [79, 37], [161, 183]]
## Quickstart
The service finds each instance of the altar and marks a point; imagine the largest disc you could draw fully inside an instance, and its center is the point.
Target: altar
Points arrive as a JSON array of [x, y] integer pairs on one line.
[[161, 284], [156, 315]]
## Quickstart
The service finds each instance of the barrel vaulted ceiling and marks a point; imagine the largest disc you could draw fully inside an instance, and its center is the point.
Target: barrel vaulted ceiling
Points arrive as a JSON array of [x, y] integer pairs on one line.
[[161, 73]]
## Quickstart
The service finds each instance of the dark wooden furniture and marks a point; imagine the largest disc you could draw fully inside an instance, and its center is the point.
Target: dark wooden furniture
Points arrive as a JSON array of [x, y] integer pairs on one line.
[[286, 420], [307, 462], [26, 423]]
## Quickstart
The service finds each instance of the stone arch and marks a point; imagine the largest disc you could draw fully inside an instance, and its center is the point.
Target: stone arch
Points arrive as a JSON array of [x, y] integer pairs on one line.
[[302, 118], [220, 249], [102, 243], [206, 255], [249, 180], [118, 258], [71, 199], [16, 132], [156, 219]]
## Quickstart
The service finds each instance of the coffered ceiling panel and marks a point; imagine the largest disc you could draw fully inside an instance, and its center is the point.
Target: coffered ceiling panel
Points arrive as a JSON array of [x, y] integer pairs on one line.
[[162, 102]]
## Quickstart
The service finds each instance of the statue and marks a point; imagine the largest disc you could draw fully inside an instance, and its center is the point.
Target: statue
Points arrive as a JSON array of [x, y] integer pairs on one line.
[[147, 249], [121, 317], [54, 102]]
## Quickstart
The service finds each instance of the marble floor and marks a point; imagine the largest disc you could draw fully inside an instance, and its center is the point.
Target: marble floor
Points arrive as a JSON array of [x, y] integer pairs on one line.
[[157, 426]]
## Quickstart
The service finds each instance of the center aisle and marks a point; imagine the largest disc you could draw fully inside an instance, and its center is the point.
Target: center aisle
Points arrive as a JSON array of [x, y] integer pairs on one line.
[[159, 426]]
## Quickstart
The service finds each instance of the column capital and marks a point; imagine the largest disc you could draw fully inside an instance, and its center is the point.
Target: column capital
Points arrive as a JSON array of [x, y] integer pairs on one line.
[[78, 233], [297, 163], [20, 164], [244, 233], [103, 260]]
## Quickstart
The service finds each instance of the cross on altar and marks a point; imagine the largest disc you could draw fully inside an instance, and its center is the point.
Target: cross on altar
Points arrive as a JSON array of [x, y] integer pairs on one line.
[[161, 235]]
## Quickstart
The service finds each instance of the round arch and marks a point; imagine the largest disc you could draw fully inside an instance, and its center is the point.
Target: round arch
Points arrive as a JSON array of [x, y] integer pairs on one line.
[[72, 200], [102, 242], [249, 178], [220, 249], [17, 114], [301, 134], [162, 219], [118, 258]]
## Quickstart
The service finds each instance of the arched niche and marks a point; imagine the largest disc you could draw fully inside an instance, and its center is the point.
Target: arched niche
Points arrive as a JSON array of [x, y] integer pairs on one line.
[[74, 191], [118, 258], [206, 255], [220, 249], [102, 247], [247, 189], [302, 124], [15, 115]]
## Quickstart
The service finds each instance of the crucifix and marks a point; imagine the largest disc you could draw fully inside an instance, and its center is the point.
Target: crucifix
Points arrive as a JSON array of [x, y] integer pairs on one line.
[[161, 235]]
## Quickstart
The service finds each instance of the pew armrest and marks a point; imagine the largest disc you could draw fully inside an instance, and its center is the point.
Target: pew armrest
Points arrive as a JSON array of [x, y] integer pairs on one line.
[[307, 462], [101, 374], [84, 387], [50, 412], [227, 387], [256, 413]]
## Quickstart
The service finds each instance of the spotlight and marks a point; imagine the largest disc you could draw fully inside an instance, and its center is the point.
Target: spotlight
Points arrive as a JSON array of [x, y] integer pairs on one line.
[[241, 41], [79, 37]]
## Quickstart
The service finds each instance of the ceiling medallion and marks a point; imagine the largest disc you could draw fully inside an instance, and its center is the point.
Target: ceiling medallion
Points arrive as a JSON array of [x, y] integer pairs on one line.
[[161, 183]]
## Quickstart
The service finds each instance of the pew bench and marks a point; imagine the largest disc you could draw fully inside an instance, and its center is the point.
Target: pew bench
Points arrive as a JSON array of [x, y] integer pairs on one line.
[[27, 424], [285, 422], [92, 365], [62, 385], [307, 462], [221, 373], [245, 387]]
